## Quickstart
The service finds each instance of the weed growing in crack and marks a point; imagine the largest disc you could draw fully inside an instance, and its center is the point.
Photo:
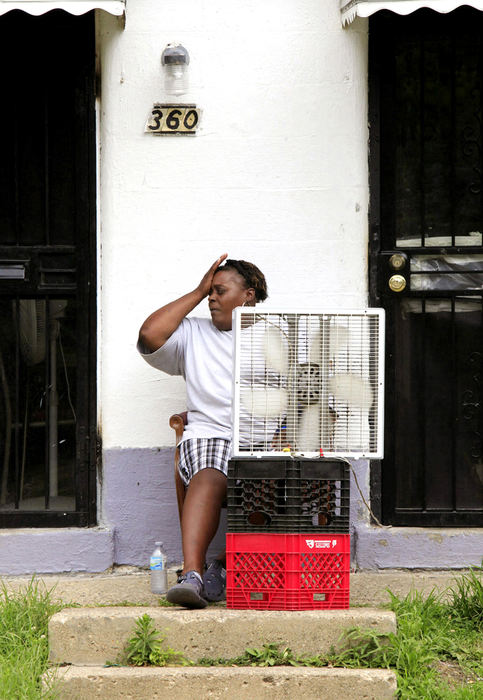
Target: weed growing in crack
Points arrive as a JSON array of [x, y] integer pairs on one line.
[[145, 648]]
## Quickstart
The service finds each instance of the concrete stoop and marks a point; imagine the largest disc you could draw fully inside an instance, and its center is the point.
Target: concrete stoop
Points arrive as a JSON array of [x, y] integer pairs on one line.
[[87, 638], [129, 584]]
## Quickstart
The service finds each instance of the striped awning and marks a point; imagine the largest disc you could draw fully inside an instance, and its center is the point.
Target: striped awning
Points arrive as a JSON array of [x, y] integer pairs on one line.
[[75, 7], [350, 9]]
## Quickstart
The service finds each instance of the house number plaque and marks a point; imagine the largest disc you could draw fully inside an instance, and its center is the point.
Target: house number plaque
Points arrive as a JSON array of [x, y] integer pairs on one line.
[[173, 119]]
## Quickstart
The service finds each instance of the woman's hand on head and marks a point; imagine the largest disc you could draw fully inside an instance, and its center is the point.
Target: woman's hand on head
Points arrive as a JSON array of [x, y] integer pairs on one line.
[[206, 283], [161, 324]]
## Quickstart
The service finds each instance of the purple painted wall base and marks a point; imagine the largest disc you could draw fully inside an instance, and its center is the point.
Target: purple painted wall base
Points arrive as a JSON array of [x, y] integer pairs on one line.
[[139, 503], [417, 548], [49, 551], [138, 506], [375, 547]]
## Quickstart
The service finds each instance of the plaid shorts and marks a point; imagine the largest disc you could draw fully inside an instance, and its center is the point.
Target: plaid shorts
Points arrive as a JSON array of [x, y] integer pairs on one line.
[[196, 454]]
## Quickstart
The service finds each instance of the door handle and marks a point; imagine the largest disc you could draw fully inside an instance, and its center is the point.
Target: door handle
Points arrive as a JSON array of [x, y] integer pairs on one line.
[[397, 283]]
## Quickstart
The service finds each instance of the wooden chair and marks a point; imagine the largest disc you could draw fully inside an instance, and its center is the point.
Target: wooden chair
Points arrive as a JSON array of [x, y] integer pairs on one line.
[[178, 421]]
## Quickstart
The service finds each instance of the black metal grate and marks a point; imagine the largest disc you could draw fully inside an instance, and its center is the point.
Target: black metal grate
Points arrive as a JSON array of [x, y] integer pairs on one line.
[[426, 161], [430, 69]]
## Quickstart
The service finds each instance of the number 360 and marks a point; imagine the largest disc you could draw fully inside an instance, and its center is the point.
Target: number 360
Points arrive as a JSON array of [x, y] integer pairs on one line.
[[173, 118]]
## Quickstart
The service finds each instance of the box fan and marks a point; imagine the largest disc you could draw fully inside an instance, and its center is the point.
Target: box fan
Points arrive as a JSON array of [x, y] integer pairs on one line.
[[308, 384]]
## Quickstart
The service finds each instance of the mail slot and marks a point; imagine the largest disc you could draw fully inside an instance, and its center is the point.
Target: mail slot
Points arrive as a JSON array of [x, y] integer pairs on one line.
[[12, 271]]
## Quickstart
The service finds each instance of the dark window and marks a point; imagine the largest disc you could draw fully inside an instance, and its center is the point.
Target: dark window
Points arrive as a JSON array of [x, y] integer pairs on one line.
[[47, 270]]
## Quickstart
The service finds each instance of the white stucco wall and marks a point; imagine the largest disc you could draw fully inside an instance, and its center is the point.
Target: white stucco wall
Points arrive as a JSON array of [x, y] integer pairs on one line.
[[277, 175]]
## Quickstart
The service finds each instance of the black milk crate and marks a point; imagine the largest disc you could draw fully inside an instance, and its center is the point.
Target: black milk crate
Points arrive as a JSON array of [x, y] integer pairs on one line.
[[288, 495]]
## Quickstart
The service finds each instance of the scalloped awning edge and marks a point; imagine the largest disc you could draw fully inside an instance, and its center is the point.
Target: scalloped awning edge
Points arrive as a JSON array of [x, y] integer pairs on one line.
[[74, 7], [350, 9]]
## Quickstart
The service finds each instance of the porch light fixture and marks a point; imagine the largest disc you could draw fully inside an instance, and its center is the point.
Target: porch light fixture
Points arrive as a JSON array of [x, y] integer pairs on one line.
[[175, 60]]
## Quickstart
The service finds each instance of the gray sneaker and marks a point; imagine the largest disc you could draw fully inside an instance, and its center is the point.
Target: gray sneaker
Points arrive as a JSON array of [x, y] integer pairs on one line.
[[188, 592], [214, 582]]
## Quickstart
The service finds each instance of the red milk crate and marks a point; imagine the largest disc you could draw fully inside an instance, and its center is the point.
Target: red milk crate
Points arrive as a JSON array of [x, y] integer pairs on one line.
[[267, 571]]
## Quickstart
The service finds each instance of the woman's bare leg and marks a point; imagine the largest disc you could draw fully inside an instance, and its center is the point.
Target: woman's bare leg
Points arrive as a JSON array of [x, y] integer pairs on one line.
[[201, 515]]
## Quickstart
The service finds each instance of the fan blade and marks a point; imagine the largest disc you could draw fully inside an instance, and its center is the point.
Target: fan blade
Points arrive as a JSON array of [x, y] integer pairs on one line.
[[309, 429], [352, 389], [275, 350], [265, 402]]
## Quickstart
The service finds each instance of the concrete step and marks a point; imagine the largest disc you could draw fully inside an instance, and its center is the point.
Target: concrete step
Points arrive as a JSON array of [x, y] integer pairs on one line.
[[128, 584], [277, 683], [93, 636]]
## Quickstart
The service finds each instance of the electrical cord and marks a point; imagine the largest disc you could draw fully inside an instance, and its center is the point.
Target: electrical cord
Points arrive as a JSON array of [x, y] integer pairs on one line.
[[376, 520]]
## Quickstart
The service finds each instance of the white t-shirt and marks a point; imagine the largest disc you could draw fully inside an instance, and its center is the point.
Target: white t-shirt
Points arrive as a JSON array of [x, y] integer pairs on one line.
[[202, 354]]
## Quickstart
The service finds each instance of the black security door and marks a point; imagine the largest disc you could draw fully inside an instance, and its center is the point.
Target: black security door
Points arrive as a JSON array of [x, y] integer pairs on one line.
[[47, 270], [426, 98]]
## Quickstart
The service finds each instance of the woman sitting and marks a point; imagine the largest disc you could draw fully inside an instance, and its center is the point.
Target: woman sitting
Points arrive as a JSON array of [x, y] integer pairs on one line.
[[200, 350]]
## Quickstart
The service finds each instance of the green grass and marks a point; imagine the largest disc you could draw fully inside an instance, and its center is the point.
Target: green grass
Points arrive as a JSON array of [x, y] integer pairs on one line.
[[467, 597], [24, 617], [436, 654]]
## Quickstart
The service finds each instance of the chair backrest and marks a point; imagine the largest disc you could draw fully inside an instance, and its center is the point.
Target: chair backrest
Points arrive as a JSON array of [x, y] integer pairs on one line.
[[178, 422]]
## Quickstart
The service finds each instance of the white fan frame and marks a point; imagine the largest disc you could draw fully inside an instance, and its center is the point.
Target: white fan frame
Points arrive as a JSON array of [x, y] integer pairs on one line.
[[378, 453]]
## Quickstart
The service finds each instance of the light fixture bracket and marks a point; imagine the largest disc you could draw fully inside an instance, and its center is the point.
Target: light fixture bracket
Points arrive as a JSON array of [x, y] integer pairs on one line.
[[175, 54]]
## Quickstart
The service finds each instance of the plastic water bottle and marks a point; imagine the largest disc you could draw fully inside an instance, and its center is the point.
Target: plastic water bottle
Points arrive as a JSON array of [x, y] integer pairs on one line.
[[159, 570]]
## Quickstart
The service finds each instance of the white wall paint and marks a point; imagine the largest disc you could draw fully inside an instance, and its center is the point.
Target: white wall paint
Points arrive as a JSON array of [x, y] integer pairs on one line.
[[276, 175]]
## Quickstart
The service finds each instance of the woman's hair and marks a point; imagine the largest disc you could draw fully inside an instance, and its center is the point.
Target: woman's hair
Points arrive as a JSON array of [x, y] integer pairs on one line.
[[251, 274]]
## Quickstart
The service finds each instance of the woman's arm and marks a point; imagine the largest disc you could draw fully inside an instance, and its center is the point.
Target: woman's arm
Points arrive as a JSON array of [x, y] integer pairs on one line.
[[161, 324]]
